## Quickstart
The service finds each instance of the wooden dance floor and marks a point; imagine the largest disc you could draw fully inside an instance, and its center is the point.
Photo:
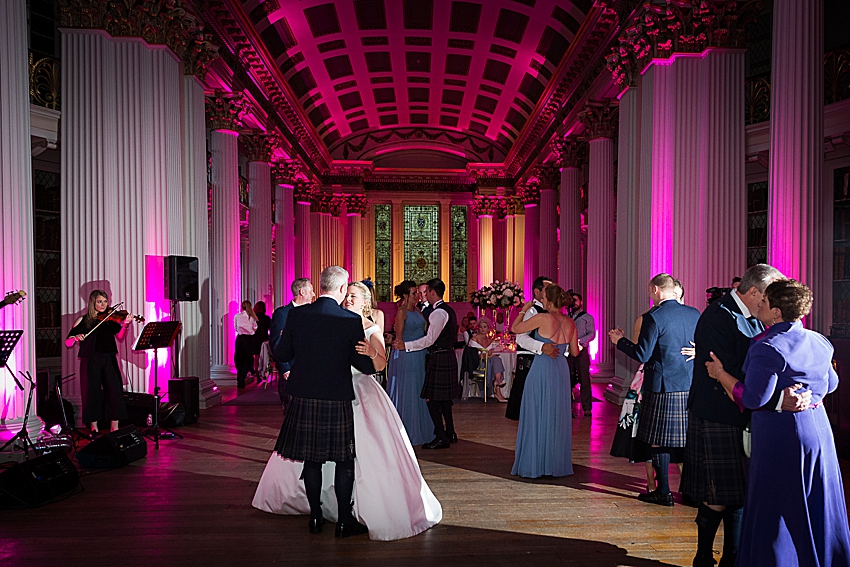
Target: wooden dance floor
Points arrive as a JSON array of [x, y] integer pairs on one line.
[[190, 504]]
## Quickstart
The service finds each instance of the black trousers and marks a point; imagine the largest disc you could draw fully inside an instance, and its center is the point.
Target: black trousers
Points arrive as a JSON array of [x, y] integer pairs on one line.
[[243, 358], [580, 370], [285, 398], [102, 389], [442, 410], [523, 365]]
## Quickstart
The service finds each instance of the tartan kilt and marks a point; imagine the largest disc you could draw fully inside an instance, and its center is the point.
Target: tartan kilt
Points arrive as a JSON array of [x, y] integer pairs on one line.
[[317, 430], [664, 419], [442, 382], [715, 470]]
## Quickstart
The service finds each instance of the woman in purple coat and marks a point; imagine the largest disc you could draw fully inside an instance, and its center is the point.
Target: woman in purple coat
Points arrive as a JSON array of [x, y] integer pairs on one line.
[[795, 512]]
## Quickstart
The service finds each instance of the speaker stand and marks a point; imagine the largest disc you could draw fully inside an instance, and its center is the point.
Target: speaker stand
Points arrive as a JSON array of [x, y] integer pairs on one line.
[[155, 431]]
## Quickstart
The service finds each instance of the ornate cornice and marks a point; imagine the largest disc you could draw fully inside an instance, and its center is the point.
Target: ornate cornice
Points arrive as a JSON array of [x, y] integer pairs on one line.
[[571, 152], [259, 145], [357, 204], [600, 119], [346, 175], [659, 31], [225, 110], [528, 194]]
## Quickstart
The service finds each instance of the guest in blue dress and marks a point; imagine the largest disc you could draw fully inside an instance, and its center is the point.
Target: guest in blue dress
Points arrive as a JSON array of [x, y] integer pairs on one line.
[[544, 435], [794, 512], [406, 372]]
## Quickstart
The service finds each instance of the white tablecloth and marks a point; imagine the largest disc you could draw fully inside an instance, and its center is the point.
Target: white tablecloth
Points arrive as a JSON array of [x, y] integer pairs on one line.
[[508, 361]]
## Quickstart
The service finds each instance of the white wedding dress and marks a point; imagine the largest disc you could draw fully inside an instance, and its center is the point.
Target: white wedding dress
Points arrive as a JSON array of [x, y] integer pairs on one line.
[[390, 496]]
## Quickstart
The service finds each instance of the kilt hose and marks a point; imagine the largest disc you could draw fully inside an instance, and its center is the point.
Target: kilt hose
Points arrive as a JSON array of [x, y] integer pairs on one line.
[[442, 382], [317, 430], [715, 469]]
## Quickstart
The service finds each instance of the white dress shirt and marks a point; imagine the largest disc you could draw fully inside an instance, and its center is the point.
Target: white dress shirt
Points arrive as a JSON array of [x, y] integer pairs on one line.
[[524, 340], [244, 324], [436, 323]]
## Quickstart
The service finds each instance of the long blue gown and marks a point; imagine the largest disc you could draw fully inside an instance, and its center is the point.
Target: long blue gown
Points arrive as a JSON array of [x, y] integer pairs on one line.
[[544, 437], [795, 514], [405, 377]]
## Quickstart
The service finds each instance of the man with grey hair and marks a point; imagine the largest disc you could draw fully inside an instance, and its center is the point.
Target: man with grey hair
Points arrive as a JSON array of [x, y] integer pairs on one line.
[[302, 294], [714, 469]]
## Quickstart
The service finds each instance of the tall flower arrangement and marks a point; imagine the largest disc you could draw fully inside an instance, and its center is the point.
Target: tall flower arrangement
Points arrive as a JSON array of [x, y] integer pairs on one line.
[[497, 295]]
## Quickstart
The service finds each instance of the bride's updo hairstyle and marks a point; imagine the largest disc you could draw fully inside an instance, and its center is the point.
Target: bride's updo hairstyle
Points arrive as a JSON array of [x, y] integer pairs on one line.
[[403, 289], [367, 296], [791, 297], [557, 296]]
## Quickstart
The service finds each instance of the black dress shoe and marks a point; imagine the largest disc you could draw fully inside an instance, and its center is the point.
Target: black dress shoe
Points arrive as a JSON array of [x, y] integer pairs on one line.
[[316, 525], [436, 444], [704, 560], [452, 437], [351, 528], [657, 497]]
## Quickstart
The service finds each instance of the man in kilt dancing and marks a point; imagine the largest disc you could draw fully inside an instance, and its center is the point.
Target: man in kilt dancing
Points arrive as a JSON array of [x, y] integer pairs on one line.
[[666, 329], [442, 383], [321, 339], [714, 468]]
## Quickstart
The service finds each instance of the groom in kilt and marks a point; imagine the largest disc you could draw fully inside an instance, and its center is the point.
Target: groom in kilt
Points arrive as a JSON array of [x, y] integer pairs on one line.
[[319, 423], [442, 383]]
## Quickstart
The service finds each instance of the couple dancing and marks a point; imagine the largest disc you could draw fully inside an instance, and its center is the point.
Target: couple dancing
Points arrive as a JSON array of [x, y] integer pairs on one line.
[[335, 401]]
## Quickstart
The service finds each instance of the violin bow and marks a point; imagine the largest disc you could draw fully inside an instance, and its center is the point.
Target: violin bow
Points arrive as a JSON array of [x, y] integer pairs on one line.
[[112, 310]]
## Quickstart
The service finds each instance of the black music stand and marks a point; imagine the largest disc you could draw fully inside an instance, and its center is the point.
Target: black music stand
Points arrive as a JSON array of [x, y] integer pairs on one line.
[[155, 336], [8, 340]]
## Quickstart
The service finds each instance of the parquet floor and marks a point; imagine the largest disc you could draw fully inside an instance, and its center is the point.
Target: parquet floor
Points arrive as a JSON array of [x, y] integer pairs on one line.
[[190, 504]]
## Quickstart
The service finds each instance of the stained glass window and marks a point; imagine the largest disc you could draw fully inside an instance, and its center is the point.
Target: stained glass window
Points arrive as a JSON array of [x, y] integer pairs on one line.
[[841, 249], [460, 249], [421, 242], [757, 223], [383, 252]]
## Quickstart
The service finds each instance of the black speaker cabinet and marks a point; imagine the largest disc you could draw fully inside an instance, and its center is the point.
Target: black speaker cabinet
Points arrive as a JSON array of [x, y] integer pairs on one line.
[[185, 391], [114, 449], [37, 481], [181, 278]]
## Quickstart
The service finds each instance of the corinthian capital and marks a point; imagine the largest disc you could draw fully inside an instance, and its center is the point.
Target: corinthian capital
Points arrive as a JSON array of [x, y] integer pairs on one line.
[[198, 53], [260, 145], [286, 171], [528, 194], [304, 192], [225, 110], [487, 206], [600, 119], [357, 204], [547, 176], [571, 152]]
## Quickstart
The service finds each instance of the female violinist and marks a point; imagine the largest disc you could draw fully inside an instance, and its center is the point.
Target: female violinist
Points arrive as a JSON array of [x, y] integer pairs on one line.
[[101, 384]]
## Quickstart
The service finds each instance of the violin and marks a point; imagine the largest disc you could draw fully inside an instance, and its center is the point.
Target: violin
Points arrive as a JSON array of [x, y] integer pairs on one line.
[[118, 316]]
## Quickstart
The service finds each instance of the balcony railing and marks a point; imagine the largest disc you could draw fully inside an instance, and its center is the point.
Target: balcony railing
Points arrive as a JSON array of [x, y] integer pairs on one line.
[[44, 82], [836, 87]]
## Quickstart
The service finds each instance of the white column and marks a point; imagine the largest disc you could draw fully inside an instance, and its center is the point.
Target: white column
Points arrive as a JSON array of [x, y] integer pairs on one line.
[[284, 234], [485, 250], [796, 241], [16, 204], [601, 251], [225, 272], [260, 274], [531, 200], [510, 240], [356, 207], [195, 315], [569, 250], [548, 239], [500, 247], [303, 234]]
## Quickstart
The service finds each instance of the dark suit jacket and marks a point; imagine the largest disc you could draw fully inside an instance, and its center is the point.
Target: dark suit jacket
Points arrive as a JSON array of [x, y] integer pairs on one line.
[[666, 328], [319, 340], [723, 330], [276, 331]]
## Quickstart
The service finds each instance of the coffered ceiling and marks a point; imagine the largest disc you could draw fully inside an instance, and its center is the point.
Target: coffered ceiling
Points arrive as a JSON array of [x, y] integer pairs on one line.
[[446, 82]]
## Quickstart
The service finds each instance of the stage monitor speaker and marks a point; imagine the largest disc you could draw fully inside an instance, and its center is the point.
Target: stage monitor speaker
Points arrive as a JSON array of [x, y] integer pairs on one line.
[[185, 390], [114, 449], [37, 481], [181, 278]]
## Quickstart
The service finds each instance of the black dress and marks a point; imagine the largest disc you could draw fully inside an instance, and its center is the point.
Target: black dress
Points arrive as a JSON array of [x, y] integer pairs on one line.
[[261, 335], [101, 386]]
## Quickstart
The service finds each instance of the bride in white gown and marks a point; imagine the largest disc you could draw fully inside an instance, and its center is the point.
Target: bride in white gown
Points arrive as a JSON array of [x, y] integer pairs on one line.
[[390, 496]]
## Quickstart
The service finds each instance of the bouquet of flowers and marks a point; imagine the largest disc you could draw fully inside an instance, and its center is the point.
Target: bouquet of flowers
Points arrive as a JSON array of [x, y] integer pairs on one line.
[[497, 295]]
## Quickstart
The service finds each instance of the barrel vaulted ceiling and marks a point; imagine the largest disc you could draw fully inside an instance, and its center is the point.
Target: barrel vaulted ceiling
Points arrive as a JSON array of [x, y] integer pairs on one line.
[[444, 82]]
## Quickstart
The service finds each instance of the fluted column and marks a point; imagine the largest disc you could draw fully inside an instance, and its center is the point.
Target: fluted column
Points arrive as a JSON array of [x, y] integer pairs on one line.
[[302, 193], [601, 250], [260, 147], [284, 234], [195, 315], [572, 155], [225, 274], [318, 227], [500, 243], [798, 239], [511, 207], [16, 202], [338, 213], [485, 208], [530, 198], [630, 278], [548, 177], [357, 206]]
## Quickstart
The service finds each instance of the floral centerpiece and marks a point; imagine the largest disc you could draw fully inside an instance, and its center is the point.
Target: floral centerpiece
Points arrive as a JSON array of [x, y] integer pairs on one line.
[[500, 297]]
